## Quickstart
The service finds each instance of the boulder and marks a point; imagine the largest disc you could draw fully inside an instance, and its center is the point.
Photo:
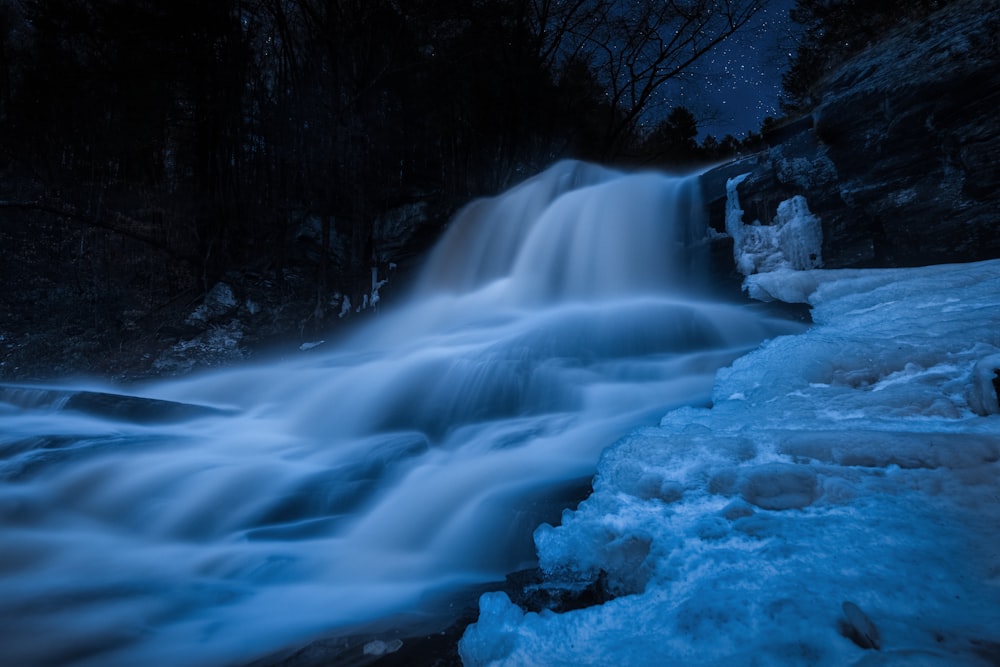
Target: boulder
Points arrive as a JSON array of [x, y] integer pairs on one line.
[[118, 407]]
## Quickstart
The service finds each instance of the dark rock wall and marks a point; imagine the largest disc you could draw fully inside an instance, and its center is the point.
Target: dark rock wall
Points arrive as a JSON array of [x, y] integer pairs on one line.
[[901, 157]]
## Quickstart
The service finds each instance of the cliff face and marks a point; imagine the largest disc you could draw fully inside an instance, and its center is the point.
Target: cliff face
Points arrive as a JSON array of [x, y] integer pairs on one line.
[[901, 158]]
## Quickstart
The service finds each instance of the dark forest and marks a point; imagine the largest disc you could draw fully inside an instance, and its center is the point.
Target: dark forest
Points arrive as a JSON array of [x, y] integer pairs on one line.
[[149, 148]]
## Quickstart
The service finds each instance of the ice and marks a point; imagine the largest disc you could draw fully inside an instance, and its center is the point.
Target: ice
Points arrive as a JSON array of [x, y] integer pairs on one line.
[[793, 241], [376, 286], [779, 486], [836, 505], [800, 235], [983, 392]]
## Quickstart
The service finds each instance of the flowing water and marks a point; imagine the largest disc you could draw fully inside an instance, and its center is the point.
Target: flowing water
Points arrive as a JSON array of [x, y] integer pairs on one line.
[[412, 460]]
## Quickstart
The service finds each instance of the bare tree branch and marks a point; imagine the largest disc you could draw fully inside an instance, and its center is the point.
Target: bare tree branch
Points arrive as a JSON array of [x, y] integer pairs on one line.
[[635, 47]]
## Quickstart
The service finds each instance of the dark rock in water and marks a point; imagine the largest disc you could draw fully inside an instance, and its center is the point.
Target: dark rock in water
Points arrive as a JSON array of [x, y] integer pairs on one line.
[[121, 407], [900, 159], [859, 628], [136, 409]]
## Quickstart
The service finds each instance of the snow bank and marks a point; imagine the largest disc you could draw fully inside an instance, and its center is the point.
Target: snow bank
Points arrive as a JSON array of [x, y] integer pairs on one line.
[[842, 492]]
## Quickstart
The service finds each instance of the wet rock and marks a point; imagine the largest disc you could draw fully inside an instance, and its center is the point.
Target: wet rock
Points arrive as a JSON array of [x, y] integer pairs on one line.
[[121, 407], [136, 409]]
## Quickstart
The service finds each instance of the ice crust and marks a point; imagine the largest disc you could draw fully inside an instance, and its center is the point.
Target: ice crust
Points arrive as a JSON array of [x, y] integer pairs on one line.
[[855, 463]]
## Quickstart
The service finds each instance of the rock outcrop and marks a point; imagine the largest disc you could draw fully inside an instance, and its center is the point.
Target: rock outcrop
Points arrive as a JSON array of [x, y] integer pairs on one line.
[[900, 159]]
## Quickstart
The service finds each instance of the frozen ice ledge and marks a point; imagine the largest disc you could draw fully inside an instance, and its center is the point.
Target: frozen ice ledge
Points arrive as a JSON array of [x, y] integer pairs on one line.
[[837, 505]]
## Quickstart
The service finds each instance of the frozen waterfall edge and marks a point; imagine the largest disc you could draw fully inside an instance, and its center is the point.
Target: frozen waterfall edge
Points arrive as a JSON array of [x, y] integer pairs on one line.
[[725, 532]]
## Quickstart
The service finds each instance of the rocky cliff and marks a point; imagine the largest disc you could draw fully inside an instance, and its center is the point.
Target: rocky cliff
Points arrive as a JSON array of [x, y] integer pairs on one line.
[[900, 159]]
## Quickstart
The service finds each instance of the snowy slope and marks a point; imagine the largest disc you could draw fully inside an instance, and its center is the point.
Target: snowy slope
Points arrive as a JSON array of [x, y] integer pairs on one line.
[[855, 463]]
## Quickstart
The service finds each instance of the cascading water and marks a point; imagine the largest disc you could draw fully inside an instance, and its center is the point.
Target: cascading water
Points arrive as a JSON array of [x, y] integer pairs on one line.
[[408, 463]]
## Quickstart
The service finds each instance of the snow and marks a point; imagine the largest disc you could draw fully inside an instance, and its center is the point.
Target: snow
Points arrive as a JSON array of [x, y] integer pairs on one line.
[[793, 240], [837, 504]]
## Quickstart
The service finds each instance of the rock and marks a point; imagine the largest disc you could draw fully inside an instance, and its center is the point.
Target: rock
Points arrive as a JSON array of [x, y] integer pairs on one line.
[[859, 628], [121, 407], [215, 346], [219, 302], [900, 159], [532, 591], [137, 409], [395, 229], [380, 647]]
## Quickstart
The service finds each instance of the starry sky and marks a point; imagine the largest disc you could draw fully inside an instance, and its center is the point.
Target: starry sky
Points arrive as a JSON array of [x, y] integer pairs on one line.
[[738, 84]]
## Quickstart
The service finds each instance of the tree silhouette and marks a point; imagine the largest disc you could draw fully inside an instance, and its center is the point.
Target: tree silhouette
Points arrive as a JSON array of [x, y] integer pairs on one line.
[[215, 136]]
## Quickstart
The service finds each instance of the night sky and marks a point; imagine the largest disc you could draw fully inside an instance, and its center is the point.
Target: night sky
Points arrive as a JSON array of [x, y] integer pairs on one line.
[[738, 84]]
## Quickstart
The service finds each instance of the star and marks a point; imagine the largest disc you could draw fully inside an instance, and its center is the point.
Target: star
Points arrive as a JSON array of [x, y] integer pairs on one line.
[[739, 84]]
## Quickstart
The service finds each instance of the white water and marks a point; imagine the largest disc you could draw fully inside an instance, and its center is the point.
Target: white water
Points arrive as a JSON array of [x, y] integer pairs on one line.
[[413, 460]]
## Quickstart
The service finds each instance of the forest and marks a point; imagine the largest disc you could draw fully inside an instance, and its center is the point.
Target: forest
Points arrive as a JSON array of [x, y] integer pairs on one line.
[[148, 148]]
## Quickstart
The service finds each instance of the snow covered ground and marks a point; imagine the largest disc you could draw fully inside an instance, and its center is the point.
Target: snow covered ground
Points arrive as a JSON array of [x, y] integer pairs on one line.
[[844, 482]]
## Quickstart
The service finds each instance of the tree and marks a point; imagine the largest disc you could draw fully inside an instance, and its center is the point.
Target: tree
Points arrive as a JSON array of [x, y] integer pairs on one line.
[[621, 52], [674, 138], [634, 48]]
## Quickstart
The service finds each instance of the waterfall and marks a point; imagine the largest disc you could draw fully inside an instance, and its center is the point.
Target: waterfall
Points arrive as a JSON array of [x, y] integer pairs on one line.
[[310, 497], [575, 232]]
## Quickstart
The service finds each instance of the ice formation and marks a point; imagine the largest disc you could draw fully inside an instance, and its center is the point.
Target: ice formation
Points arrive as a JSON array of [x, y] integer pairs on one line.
[[794, 240], [844, 474]]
